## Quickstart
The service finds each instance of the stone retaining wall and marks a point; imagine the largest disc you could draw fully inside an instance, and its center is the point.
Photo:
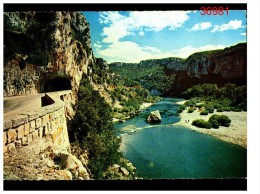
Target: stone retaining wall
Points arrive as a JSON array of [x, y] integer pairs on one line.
[[46, 125]]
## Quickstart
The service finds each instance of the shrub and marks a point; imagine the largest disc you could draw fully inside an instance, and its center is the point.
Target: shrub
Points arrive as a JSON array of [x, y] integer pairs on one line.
[[191, 109], [204, 112], [213, 117], [211, 110], [199, 105], [222, 120], [226, 109], [181, 108], [220, 110], [201, 123], [217, 105], [215, 124]]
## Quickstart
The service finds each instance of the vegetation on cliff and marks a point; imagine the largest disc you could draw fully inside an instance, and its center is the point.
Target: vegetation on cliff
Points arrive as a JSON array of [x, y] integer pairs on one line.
[[152, 77], [93, 130], [125, 94], [172, 76]]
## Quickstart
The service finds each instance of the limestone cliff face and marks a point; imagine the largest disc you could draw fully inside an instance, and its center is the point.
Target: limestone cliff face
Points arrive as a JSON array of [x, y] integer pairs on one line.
[[218, 66], [228, 63], [45, 51]]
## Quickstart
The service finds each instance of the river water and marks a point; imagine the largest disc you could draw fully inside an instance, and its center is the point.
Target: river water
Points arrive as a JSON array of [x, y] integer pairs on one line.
[[164, 151]]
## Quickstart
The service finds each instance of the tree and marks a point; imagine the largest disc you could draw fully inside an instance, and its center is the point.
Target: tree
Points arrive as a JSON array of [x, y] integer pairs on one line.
[[93, 130]]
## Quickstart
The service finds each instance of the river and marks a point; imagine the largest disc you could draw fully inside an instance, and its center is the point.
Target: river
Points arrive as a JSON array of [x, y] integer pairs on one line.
[[164, 151]]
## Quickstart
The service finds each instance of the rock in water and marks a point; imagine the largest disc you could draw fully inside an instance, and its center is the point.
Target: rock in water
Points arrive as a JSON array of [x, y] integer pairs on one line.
[[154, 117]]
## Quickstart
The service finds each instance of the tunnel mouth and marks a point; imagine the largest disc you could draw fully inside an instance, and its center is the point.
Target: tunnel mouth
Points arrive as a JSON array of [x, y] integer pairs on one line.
[[55, 83]]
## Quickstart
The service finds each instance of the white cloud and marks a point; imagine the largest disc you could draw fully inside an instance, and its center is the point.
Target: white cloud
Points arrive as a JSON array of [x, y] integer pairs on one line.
[[139, 23], [120, 26], [97, 45], [141, 33], [188, 50], [232, 25], [243, 34], [127, 51], [201, 26], [117, 52]]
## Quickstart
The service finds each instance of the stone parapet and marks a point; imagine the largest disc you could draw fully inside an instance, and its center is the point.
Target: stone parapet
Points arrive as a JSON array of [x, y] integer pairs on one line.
[[47, 123]]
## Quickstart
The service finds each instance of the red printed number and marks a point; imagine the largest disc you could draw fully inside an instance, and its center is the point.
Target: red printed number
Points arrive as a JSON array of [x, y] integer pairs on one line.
[[213, 11]]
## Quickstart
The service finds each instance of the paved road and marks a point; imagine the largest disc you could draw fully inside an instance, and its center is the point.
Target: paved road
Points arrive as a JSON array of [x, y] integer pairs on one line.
[[18, 104]]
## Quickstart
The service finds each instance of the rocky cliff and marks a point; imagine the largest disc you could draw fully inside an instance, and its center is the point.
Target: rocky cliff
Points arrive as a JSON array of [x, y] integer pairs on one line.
[[45, 51], [217, 66]]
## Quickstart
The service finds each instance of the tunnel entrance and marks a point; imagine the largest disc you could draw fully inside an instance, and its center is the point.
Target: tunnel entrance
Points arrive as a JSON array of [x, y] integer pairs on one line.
[[57, 83]]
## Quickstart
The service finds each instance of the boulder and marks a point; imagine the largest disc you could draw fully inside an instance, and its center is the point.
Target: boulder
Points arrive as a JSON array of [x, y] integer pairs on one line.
[[65, 174], [154, 117], [124, 171]]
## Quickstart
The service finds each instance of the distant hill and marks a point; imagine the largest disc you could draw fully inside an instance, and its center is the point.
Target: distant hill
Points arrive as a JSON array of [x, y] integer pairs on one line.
[[171, 76]]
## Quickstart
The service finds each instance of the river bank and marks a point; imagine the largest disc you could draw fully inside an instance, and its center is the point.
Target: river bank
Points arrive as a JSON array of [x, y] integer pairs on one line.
[[143, 106], [236, 133]]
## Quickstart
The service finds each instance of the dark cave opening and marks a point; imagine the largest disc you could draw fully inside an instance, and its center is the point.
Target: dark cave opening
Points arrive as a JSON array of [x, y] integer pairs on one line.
[[57, 83]]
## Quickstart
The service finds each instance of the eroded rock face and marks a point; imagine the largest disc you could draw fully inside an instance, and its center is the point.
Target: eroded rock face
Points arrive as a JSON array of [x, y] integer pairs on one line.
[[217, 66], [154, 117], [229, 63], [44, 48]]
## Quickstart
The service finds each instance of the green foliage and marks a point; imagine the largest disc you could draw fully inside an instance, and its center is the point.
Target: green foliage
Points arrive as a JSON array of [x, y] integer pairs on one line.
[[215, 124], [201, 123], [181, 108], [150, 76], [226, 109], [192, 102], [132, 103], [220, 109], [222, 120], [191, 109], [204, 112], [214, 121], [229, 97], [93, 130], [199, 105]]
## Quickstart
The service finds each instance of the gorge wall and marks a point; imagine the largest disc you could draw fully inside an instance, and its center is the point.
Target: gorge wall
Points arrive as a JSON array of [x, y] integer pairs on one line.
[[45, 52], [217, 66]]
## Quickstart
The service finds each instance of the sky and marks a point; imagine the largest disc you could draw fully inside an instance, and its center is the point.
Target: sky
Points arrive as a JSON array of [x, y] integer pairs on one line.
[[132, 36]]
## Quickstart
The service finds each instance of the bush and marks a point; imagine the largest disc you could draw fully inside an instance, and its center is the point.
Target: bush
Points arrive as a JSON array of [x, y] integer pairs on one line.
[[204, 112], [215, 124], [191, 102], [222, 120], [191, 109], [220, 110], [181, 108], [226, 109], [199, 105], [201, 123], [211, 110], [217, 106]]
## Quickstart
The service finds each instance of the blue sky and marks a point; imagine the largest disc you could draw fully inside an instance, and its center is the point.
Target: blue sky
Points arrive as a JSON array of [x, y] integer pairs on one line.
[[127, 36]]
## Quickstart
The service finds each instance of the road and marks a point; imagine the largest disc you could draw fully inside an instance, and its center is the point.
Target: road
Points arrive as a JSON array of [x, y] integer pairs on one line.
[[18, 104]]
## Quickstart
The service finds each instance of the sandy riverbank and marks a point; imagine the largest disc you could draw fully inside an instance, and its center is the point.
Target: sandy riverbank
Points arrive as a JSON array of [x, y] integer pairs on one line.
[[142, 107], [236, 133], [145, 105]]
